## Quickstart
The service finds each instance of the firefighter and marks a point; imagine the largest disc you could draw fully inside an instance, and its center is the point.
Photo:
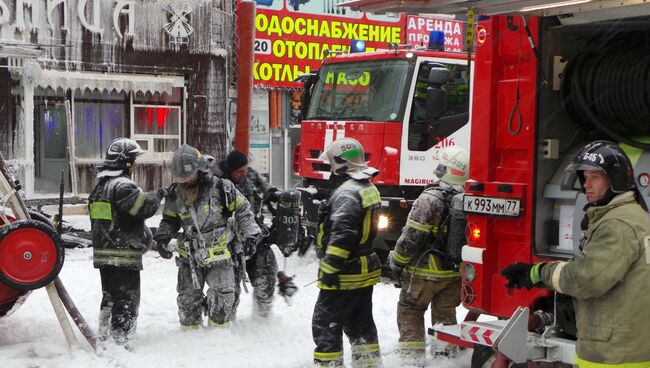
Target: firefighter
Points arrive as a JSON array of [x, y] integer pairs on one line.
[[608, 278], [428, 275], [262, 267], [202, 204], [118, 208], [348, 267]]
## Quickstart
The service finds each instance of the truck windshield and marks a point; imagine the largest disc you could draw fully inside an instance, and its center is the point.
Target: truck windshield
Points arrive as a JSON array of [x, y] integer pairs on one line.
[[366, 90]]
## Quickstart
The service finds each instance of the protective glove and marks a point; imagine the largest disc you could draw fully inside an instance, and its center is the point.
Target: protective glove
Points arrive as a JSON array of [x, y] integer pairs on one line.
[[395, 267], [272, 194], [330, 279], [163, 192], [522, 275], [161, 248], [250, 246]]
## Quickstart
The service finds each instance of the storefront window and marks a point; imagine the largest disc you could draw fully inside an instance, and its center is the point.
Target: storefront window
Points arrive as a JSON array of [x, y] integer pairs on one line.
[[99, 118], [157, 128], [50, 140], [157, 120]]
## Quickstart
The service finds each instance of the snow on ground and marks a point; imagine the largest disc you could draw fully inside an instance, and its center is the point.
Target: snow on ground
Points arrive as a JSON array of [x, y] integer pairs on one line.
[[31, 337]]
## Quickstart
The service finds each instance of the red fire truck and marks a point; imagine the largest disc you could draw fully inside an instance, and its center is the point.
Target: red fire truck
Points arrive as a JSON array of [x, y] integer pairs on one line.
[[402, 104], [549, 77]]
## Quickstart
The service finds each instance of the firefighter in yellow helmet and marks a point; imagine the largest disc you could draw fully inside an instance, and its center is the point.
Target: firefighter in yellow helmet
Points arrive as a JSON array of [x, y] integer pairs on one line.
[[424, 259]]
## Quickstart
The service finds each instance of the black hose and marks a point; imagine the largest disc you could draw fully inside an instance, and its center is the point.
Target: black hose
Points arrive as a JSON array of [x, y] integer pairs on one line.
[[609, 90]]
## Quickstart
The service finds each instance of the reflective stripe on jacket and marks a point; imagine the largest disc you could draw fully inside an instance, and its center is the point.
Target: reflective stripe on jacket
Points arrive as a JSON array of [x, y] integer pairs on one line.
[[609, 282], [414, 250], [346, 234], [117, 210]]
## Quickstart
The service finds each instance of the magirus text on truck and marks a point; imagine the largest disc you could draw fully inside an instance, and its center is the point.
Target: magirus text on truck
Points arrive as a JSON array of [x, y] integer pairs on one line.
[[549, 77]]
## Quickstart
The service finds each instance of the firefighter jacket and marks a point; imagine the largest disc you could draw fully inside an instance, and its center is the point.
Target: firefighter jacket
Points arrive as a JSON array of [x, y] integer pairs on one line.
[[346, 231], [420, 248], [117, 209], [222, 215], [255, 189], [609, 282]]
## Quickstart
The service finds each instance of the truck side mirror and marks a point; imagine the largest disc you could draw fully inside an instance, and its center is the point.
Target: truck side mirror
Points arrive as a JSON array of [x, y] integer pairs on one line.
[[308, 80], [436, 103]]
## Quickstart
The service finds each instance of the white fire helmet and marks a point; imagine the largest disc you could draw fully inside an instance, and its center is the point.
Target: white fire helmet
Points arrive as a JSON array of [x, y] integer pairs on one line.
[[453, 167], [346, 156]]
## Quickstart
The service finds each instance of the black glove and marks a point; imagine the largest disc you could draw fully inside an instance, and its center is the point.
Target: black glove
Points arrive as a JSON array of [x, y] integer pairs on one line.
[[163, 192], [162, 250], [250, 246], [272, 194], [523, 275], [330, 279], [396, 268]]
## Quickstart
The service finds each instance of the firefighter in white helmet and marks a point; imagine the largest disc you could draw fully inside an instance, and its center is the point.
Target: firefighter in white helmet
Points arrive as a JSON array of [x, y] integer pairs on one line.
[[349, 268], [429, 274]]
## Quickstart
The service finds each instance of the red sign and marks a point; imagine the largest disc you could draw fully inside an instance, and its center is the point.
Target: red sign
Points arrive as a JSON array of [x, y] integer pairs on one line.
[[290, 43], [418, 29]]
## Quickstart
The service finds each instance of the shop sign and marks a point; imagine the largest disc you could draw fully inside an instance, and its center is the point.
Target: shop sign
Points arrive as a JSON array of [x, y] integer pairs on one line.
[[289, 43], [419, 28]]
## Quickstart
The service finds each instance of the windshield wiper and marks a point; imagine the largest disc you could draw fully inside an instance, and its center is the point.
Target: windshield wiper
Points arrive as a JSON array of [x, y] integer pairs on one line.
[[355, 117], [320, 117]]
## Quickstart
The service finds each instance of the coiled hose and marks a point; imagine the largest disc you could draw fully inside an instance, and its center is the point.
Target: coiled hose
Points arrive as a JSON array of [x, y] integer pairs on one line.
[[610, 90]]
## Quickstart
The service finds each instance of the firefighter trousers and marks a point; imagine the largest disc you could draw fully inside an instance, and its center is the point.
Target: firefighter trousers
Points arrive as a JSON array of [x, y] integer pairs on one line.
[[261, 269], [219, 301], [350, 312], [120, 303], [415, 297]]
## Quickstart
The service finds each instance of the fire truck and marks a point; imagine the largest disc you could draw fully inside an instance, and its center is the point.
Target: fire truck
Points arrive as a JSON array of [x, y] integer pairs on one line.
[[402, 104], [549, 77]]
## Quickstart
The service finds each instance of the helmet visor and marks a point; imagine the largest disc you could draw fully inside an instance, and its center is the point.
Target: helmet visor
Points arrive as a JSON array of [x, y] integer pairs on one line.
[[581, 166]]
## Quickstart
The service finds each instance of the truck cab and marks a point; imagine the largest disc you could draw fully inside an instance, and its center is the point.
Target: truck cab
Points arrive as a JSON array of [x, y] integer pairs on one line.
[[403, 105]]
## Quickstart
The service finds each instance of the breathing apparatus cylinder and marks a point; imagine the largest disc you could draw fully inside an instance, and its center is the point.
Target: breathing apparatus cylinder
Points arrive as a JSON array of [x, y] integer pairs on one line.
[[287, 221]]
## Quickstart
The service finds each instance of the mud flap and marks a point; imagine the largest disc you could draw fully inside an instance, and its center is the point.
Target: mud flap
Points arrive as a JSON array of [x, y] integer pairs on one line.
[[513, 339]]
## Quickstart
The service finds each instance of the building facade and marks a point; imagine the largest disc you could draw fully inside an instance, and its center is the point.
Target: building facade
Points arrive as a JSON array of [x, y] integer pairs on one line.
[[75, 74]]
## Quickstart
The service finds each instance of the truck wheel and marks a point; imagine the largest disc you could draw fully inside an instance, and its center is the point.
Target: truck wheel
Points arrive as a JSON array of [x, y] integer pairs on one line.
[[31, 254], [40, 217]]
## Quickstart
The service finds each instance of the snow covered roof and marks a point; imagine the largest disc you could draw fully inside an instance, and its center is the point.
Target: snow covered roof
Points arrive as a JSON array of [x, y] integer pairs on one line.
[[109, 81]]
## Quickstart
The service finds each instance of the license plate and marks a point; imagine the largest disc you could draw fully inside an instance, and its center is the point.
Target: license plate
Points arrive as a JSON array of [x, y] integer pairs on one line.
[[491, 205]]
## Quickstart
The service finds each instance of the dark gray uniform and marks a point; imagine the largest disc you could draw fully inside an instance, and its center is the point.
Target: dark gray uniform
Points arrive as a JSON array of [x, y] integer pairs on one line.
[[262, 266], [222, 214], [118, 208]]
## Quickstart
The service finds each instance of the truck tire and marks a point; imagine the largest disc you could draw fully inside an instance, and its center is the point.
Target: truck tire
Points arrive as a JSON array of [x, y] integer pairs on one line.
[[31, 254]]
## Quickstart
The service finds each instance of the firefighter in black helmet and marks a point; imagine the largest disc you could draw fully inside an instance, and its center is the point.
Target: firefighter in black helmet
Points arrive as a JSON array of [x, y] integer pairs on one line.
[[613, 264], [118, 208]]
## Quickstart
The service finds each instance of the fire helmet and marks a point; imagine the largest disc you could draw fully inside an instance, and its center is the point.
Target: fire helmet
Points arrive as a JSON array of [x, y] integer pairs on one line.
[[121, 153], [186, 161], [453, 165], [346, 156], [608, 157]]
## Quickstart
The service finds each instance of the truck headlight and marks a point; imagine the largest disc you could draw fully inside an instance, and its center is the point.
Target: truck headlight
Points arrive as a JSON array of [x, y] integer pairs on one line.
[[382, 223]]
